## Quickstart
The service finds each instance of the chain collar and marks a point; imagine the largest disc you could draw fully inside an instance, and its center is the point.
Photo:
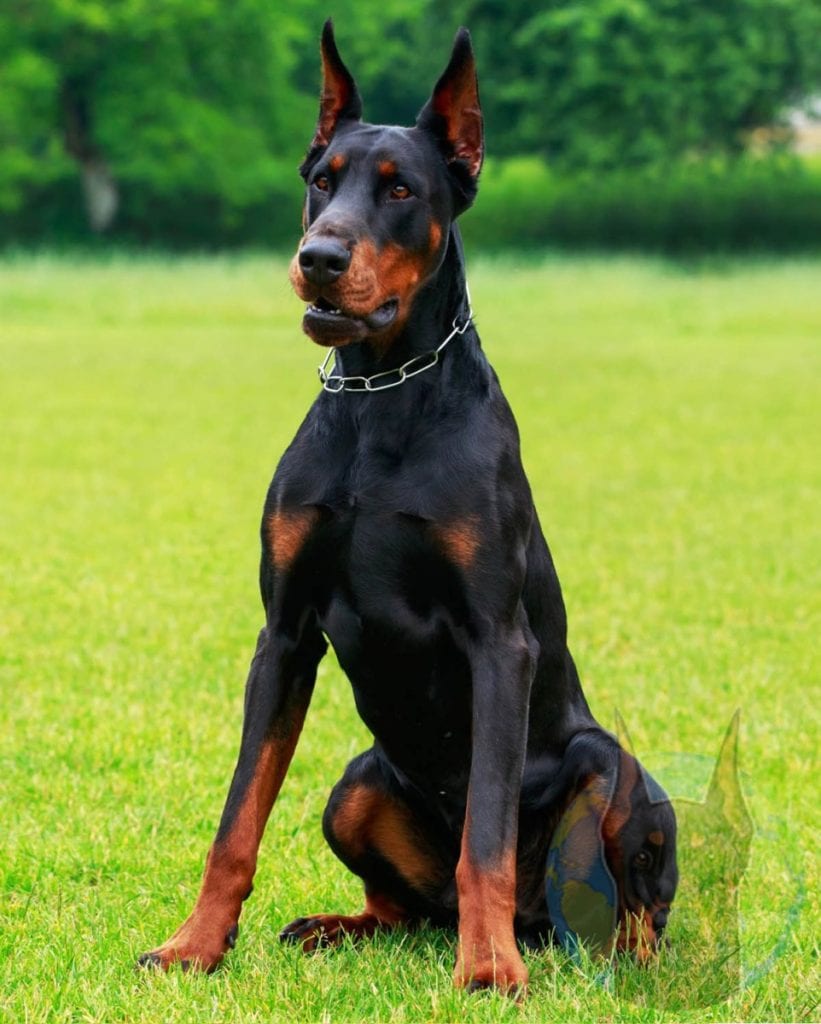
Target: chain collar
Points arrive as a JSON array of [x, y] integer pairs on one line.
[[335, 383]]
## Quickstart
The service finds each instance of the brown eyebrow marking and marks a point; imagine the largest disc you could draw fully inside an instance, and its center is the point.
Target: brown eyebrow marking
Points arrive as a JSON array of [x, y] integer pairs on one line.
[[337, 162], [656, 838], [387, 168]]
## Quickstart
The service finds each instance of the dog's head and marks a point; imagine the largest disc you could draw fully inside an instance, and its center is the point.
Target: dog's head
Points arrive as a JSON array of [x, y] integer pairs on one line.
[[611, 870], [380, 200]]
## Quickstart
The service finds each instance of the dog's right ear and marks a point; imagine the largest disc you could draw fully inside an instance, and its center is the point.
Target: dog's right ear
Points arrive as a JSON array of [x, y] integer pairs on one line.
[[339, 100]]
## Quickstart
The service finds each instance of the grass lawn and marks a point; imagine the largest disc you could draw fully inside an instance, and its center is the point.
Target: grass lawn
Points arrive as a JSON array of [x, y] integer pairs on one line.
[[670, 425]]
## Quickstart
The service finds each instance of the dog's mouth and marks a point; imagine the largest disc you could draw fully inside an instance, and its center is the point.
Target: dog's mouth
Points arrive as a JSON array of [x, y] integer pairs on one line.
[[637, 935], [328, 324]]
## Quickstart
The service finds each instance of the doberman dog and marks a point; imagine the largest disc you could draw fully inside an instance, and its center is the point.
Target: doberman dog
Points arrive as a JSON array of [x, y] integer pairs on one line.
[[400, 525]]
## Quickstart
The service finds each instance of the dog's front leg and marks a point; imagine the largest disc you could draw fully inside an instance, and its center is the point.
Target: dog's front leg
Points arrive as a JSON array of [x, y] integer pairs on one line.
[[277, 695], [502, 667]]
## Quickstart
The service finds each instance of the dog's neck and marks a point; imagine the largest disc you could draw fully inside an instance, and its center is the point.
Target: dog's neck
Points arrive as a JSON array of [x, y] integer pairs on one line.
[[439, 302]]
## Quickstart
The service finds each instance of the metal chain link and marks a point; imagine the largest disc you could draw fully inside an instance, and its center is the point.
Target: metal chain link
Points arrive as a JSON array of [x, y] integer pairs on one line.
[[335, 383]]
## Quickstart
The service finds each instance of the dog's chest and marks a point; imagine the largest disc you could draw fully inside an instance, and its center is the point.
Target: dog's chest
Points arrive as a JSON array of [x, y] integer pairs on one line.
[[385, 574], [392, 606]]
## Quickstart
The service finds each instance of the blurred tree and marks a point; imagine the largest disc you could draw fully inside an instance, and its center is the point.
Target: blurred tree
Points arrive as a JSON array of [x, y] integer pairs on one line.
[[192, 109], [184, 119], [29, 152], [628, 82], [182, 97]]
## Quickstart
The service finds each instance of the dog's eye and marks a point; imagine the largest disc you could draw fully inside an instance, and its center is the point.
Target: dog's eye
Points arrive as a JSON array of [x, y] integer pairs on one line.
[[321, 182], [400, 191], [643, 860]]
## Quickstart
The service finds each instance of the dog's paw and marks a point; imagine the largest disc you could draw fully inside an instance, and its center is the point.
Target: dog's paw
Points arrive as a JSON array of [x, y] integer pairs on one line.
[[324, 930], [506, 973], [193, 948]]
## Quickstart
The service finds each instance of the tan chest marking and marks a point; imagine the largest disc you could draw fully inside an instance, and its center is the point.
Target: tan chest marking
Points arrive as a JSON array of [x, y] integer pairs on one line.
[[288, 530], [460, 541]]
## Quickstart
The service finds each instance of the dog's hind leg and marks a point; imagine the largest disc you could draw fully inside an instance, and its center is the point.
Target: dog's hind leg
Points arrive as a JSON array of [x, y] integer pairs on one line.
[[406, 864]]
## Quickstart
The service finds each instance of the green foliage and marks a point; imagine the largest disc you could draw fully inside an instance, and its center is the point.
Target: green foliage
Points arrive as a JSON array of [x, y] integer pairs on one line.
[[188, 102], [200, 109], [614, 83], [772, 204], [30, 148], [698, 206]]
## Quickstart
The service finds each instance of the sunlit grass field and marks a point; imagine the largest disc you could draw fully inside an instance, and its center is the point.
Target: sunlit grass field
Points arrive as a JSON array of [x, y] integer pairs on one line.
[[670, 419]]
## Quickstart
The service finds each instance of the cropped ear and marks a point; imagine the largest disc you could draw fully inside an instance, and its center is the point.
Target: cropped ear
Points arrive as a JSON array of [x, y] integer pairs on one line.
[[725, 797], [339, 100], [582, 895], [453, 114]]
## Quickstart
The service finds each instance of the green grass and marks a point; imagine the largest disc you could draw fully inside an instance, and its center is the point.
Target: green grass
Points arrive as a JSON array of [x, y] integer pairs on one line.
[[670, 427]]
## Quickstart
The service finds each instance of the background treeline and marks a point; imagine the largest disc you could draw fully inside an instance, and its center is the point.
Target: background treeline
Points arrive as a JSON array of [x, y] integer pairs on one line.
[[623, 122]]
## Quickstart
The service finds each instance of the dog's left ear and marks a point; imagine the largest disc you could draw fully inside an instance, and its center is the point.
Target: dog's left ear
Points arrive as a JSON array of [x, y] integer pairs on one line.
[[453, 114], [340, 100]]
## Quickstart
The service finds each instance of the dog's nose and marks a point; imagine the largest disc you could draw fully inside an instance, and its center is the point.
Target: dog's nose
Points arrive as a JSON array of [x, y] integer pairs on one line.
[[660, 920], [323, 260]]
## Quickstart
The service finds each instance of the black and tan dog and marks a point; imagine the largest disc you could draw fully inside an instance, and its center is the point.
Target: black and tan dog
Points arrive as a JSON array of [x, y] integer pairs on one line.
[[400, 526]]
